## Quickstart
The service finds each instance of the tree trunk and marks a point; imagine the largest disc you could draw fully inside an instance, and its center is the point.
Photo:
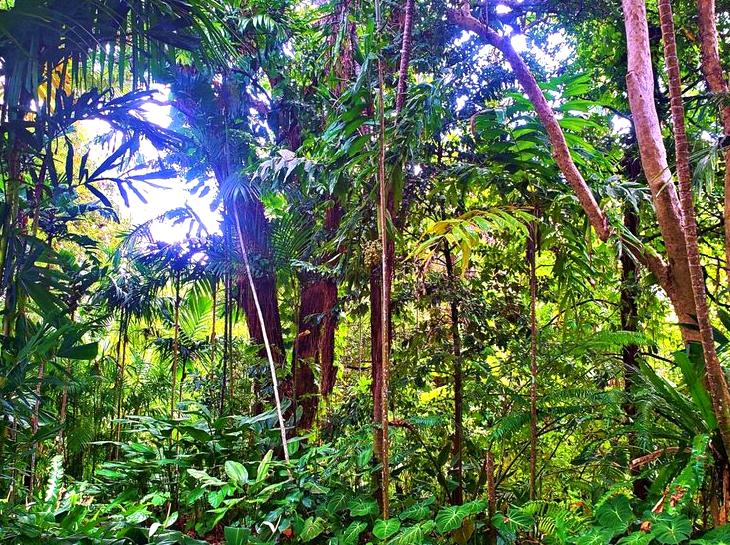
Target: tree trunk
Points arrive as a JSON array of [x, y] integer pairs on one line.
[[175, 347], [715, 77], [640, 84], [715, 375], [630, 352], [532, 264], [457, 496], [255, 232], [630, 320]]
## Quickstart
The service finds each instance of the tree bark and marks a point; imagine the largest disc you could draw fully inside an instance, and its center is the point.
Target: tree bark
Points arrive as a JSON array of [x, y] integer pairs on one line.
[[715, 77], [532, 264], [630, 320], [640, 84], [715, 378], [630, 352], [457, 496], [256, 237]]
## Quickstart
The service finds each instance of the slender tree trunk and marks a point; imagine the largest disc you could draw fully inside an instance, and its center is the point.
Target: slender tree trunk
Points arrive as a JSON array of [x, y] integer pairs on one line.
[[715, 375], [491, 496], [716, 81], [34, 424], [376, 367], [386, 216], [175, 347], [532, 242], [124, 324], [457, 496], [630, 321]]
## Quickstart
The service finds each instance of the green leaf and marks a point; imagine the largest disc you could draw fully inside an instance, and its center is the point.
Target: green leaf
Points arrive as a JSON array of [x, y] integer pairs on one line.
[[236, 536], [671, 530], [364, 457], [615, 514], [86, 351], [311, 529], [352, 533], [597, 536], [472, 508], [336, 503], [383, 529], [264, 465], [636, 538], [207, 480], [413, 535], [417, 511], [236, 472], [449, 519], [361, 507]]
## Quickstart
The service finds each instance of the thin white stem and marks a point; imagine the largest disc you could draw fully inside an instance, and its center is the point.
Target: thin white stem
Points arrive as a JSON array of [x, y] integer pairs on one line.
[[269, 355]]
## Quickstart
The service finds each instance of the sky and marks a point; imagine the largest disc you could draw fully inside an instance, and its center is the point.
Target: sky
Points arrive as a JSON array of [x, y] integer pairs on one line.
[[173, 193]]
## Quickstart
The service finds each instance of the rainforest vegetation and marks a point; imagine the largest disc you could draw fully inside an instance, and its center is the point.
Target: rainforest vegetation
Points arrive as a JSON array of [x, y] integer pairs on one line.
[[364, 272]]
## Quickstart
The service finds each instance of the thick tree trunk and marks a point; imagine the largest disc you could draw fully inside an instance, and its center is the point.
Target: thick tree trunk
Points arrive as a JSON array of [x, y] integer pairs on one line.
[[315, 341], [716, 382], [255, 232], [715, 77], [640, 83]]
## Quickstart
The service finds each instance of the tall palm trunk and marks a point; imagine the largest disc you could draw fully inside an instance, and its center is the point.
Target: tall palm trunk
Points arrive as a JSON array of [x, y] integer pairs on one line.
[[716, 382], [718, 84]]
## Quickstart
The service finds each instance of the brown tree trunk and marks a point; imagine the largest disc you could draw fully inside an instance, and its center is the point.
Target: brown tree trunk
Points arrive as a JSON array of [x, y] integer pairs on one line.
[[715, 77], [630, 319], [255, 232], [630, 352], [532, 264], [715, 375], [312, 345], [457, 496]]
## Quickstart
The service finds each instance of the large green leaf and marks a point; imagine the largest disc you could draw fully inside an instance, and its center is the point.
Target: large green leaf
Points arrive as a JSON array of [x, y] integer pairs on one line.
[[413, 535], [311, 529], [86, 351], [237, 472], [671, 530], [383, 529], [363, 507], [615, 514], [352, 533], [417, 511], [449, 519]]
